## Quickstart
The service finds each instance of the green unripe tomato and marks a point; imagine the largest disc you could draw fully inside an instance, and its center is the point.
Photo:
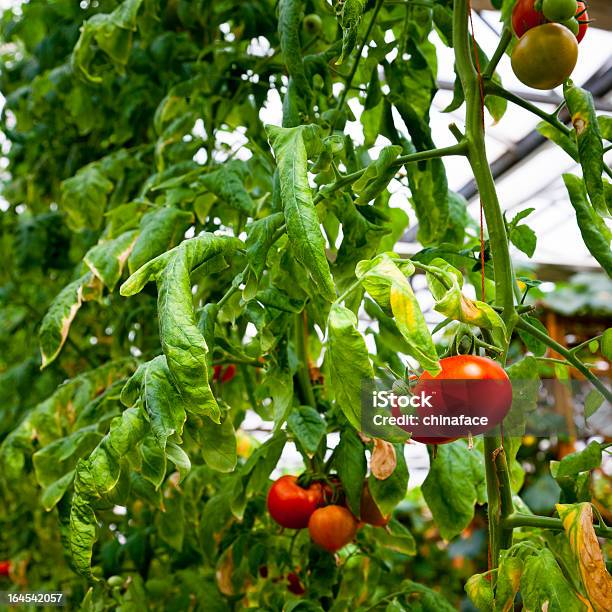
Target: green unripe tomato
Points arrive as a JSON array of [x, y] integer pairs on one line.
[[572, 25], [115, 581], [559, 10], [313, 23], [544, 57]]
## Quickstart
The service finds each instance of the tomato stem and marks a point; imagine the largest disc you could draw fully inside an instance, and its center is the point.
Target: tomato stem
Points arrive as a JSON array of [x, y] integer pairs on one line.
[[517, 519], [504, 41]]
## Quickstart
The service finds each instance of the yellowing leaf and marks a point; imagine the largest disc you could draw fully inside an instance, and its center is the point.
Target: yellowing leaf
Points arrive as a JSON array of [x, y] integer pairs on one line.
[[578, 524]]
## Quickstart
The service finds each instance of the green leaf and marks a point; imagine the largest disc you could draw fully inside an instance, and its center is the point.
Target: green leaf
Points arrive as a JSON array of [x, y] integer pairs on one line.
[[180, 459], [290, 17], [111, 33], [171, 523], [160, 230], [84, 198], [95, 478], [388, 493], [524, 239], [592, 403], [564, 141], [525, 389], [350, 463], [259, 240], [386, 283], [182, 342], [291, 147], [543, 585], [590, 147], [425, 598], [397, 538], [537, 347], [227, 183], [107, 259], [56, 323], [153, 461], [452, 303], [480, 592], [349, 18], [219, 444], [152, 384], [306, 424], [454, 484], [347, 375], [376, 176], [594, 231]]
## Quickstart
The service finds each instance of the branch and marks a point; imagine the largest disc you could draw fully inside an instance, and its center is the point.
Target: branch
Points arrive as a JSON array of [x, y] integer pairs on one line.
[[457, 149], [547, 522], [493, 89], [504, 41], [569, 356]]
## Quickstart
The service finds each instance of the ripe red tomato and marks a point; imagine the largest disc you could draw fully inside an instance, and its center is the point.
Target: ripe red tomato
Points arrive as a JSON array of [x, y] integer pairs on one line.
[[369, 511], [545, 57], [295, 584], [332, 527], [583, 20], [5, 568], [224, 374], [291, 505], [468, 385], [525, 17]]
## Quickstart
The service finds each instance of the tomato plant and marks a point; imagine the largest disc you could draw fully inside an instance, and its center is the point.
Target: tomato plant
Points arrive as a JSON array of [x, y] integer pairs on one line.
[[202, 288]]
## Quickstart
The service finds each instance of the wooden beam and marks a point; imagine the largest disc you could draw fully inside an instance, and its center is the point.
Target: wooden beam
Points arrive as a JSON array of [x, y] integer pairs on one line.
[[600, 11]]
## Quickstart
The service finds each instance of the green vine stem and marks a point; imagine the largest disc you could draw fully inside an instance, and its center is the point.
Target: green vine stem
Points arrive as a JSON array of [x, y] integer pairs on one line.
[[303, 374], [547, 522], [457, 149], [570, 356], [499, 493], [493, 89]]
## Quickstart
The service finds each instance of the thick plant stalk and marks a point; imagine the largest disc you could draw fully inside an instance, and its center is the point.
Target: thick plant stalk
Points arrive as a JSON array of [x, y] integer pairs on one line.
[[499, 493]]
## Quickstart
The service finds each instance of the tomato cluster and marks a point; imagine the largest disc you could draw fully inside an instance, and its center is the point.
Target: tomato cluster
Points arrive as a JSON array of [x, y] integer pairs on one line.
[[549, 32], [321, 507]]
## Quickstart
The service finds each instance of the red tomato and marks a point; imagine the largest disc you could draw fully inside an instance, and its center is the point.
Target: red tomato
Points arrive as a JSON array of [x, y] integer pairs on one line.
[[332, 527], [468, 385], [291, 505], [525, 17], [295, 584], [224, 374], [369, 511], [583, 20], [5, 568]]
